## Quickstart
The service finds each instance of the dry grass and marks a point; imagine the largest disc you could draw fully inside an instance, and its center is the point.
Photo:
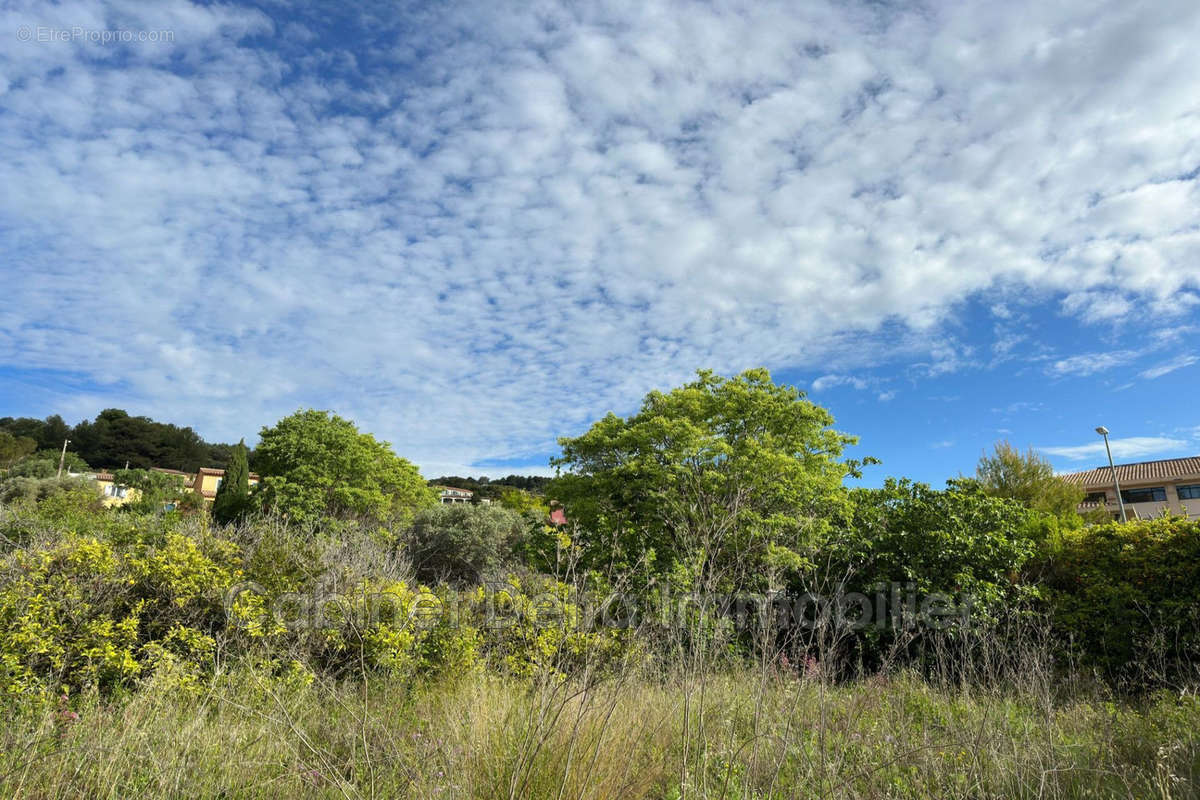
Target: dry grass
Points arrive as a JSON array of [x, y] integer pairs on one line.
[[749, 735]]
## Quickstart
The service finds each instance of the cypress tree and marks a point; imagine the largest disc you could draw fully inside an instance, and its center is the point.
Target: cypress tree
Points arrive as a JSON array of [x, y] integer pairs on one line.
[[233, 495]]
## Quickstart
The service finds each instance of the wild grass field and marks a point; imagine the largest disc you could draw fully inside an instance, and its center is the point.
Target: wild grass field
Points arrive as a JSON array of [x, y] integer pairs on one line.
[[743, 734]]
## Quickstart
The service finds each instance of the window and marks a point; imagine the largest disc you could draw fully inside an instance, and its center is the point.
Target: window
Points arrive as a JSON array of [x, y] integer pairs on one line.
[[1155, 494], [114, 491], [1189, 492], [1096, 497]]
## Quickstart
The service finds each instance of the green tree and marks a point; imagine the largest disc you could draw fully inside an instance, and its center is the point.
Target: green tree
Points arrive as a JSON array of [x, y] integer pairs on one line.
[[1029, 479], [233, 495], [49, 432], [721, 481], [115, 439], [14, 448], [955, 540], [315, 462], [44, 464], [463, 542], [522, 501], [156, 490]]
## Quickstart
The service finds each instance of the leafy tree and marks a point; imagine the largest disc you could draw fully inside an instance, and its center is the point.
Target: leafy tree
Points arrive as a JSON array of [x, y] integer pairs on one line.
[[529, 483], [522, 502], [315, 463], [721, 480], [54, 432], [49, 433], [44, 464], [1029, 479], [233, 495], [956, 540], [156, 490], [463, 542], [14, 448], [114, 439], [76, 493]]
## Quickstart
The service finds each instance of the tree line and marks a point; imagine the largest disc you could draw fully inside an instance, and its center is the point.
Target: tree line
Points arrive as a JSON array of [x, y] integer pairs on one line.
[[113, 440]]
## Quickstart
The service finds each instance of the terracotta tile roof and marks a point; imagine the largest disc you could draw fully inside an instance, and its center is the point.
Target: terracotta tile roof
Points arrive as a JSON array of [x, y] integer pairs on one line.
[[1142, 472], [169, 471], [104, 476]]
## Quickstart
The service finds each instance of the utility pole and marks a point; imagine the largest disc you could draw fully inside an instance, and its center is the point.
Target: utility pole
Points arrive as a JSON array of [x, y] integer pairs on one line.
[[1103, 431], [63, 458]]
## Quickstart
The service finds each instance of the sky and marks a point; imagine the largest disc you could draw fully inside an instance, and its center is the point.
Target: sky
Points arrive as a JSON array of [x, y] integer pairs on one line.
[[476, 227]]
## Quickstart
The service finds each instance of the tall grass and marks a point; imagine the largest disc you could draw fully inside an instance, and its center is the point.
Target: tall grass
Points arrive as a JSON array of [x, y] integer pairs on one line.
[[771, 733]]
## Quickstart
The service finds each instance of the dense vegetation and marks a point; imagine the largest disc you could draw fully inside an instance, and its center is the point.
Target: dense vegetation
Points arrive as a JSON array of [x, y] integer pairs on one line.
[[720, 617], [495, 489], [114, 440]]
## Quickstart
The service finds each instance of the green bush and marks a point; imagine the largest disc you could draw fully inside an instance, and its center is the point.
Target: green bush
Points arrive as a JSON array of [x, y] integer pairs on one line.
[[957, 540], [78, 611], [1126, 597], [63, 492], [463, 542]]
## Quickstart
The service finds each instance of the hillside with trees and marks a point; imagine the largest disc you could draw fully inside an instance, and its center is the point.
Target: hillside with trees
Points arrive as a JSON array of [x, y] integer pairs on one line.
[[114, 439]]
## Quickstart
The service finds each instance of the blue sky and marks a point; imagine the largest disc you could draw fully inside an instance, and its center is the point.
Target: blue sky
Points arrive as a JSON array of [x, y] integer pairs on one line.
[[475, 227]]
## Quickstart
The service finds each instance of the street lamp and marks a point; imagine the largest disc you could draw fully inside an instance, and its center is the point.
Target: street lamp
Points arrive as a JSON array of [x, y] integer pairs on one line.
[[1103, 431], [62, 459]]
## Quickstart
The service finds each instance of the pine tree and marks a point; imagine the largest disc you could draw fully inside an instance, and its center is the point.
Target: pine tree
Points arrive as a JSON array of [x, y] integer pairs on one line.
[[233, 495]]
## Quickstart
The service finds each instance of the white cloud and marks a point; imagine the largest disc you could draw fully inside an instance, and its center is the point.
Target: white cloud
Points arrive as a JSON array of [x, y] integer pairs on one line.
[[830, 381], [473, 229], [1091, 363], [1168, 366], [1129, 448]]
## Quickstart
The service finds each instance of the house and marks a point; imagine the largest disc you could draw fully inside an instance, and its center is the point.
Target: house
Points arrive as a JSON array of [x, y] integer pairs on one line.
[[1148, 488], [449, 495], [111, 493], [205, 480]]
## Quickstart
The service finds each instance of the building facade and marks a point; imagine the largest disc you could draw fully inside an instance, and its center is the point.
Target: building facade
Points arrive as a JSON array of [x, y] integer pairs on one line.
[[1149, 488], [111, 493], [449, 495], [205, 480]]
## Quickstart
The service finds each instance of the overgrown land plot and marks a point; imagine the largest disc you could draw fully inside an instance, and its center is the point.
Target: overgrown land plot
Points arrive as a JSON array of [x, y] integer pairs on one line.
[[696, 607]]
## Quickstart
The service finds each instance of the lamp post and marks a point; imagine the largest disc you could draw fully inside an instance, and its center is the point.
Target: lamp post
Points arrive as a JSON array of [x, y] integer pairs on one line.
[[1103, 431], [62, 459]]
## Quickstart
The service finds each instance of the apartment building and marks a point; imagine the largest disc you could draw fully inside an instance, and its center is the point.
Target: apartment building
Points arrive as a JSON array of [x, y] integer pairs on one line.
[[1149, 488]]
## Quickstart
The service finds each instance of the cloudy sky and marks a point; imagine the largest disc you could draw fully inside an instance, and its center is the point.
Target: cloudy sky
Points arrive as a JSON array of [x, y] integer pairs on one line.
[[475, 227]]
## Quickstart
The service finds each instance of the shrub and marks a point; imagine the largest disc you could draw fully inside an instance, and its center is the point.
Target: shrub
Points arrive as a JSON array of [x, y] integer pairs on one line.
[[463, 542], [952, 541], [1126, 597], [63, 493], [78, 611]]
